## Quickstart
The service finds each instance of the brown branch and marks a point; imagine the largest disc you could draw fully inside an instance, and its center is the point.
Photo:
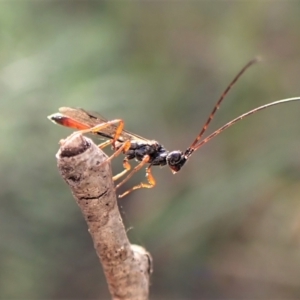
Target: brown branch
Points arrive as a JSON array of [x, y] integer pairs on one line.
[[88, 173]]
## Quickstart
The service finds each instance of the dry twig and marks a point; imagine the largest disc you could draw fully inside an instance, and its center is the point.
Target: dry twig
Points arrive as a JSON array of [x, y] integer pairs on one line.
[[85, 169]]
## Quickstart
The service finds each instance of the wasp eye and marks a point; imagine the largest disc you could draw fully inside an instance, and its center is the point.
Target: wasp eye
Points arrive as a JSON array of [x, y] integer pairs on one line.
[[174, 157], [176, 160]]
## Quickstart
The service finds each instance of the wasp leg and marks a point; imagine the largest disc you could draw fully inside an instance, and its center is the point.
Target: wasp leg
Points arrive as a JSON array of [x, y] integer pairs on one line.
[[105, 144], [138, 167], [102, 126], [151, 183], [127, 168], [123, 148]]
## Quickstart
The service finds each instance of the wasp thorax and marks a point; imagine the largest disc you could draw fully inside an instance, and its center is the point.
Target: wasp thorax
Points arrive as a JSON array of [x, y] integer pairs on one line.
[[175, 160]]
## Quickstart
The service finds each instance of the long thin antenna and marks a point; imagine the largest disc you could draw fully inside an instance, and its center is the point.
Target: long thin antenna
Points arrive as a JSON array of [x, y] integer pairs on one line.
[[227, 125], [216, 107]]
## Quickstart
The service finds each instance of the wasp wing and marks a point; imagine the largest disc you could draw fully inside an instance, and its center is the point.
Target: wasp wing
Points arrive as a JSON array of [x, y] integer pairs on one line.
[[92, 119]]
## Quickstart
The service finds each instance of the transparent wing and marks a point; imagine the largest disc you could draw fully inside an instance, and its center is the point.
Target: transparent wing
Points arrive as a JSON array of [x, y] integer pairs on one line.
[[91, 119]]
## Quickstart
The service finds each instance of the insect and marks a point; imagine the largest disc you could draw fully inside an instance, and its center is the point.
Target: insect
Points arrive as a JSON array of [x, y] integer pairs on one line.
[[146, 152]]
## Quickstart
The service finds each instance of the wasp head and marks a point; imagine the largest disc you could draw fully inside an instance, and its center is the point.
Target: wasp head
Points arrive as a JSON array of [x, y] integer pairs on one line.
[[175, 160]]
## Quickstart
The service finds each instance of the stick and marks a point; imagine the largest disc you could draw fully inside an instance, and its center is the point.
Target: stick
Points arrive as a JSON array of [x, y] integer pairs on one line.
[[84, 167]]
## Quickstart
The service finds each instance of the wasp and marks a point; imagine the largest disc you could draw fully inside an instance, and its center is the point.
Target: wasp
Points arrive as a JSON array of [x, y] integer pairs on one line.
[[147, 152]]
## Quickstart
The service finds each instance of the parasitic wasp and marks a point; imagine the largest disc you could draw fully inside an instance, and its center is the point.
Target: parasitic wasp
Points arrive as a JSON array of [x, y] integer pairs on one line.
[[146, 152]]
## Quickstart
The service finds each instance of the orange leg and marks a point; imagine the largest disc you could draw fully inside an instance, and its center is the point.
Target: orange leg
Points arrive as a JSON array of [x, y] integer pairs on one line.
[[151, 183], [102, 126], [138, 167], [127, 168], [105, 144], [123, 148]]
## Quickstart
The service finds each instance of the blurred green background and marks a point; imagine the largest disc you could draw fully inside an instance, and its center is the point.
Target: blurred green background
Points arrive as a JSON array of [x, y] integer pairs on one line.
[[228, 225]]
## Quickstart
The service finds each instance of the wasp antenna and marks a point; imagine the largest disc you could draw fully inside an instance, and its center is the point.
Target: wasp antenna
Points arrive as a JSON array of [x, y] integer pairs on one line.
[[217, 106], [189, 151]]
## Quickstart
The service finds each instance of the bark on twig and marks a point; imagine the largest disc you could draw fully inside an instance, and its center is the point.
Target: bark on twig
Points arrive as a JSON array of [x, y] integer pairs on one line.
[[85, 169]]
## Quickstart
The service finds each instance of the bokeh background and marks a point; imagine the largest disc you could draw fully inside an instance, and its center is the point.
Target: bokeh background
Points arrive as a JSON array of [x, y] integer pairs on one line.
[[228, 225]]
